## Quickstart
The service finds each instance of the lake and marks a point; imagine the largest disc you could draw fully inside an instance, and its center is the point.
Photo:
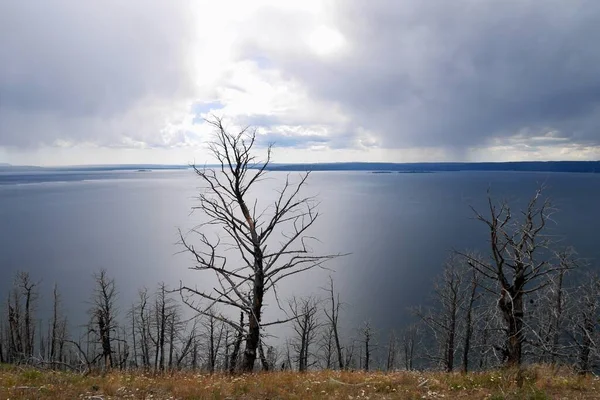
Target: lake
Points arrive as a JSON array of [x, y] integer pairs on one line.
[[398, 229]]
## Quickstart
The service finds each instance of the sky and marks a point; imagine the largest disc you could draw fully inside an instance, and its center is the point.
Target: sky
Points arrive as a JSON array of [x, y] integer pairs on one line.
[[101, 82]]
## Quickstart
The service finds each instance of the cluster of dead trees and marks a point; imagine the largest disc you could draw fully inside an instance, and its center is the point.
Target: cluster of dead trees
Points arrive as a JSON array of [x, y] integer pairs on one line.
[[520, 300]]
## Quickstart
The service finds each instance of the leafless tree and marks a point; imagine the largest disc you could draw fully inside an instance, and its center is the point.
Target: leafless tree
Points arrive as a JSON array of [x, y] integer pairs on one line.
[[549, 312], [349, 354], [164, 311], [21, 309], [392, 352], [332, 313], [271, 244], [143, 326], [304, 312], [58, 329], [215, 334], [104, 314], [366, 339], [188, 338], [518, 263], [584, 321], [326, 343], [473, 282], [451, 316], [410, 342]]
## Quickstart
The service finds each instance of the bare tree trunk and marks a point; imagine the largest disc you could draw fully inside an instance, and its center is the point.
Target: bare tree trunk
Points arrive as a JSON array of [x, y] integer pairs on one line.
[[163, 324], [391, 355], [332, 315], [171, 341], [53, 334], [237, 345], [367, 338], [469, 321], [253, 337], [263, 359]]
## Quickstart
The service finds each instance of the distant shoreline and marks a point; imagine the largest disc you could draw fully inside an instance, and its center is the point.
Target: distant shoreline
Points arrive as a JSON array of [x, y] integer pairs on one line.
[[519, 166]]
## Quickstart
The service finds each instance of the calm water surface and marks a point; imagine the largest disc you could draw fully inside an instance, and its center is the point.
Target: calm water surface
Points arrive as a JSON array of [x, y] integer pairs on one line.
[[397, 227]]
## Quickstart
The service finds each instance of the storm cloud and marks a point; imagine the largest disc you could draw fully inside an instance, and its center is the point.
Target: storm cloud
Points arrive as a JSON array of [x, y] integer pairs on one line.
[[519, 78], [460, 73], [89, 71]]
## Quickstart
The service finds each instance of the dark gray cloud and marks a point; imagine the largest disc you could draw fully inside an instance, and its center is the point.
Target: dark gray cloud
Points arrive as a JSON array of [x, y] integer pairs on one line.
[[459, 73], [68, 64], [416, 73]]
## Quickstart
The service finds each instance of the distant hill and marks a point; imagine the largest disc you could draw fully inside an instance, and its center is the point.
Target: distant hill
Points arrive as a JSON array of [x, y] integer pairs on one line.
[[523, 166], [92, 168]]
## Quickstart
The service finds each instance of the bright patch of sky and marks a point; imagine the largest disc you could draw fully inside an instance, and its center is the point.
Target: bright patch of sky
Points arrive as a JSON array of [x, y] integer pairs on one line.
[[354, 80]]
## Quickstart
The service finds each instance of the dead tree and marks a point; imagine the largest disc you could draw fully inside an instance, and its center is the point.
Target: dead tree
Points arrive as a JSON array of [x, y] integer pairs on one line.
[[162, 312], [410, 341], [21, 304], [450, 318], [305, 324], [237, 345], [143, 318], [443, 317], [188, 340], [584, 321], [332, 313], [549, 313], [366, 338], [54, 324], [214, 332], [327, 347], [29, 293], [104, 316], [269, 244], [392, 352], [349, 355], [57, 331], [517, 264], [472, 286]]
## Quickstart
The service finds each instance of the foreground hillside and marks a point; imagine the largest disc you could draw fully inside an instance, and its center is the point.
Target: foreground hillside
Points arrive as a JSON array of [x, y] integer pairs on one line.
[[538, 383]]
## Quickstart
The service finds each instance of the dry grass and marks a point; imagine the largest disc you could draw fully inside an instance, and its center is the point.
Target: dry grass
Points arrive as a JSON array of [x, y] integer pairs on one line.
[[538, 383]]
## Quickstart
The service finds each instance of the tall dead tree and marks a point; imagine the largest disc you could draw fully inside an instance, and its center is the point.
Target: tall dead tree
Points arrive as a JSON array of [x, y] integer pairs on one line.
[[450, 318], [518, 263], [104, 316], [57, 330], [366, 338], [549, 313], [21, 309], [584, 324], [472, 286], [305, 325], [332, 313], [269, 244], [327, 348], [162, 313], [443, 317], [214, 332], [143, 318], [410, 341], [392, 352]]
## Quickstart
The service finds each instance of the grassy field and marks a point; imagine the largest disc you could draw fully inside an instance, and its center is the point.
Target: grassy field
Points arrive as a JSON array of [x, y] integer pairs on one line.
[[537, 383]]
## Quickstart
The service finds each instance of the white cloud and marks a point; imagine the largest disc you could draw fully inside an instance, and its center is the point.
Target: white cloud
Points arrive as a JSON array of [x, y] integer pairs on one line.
[[329, 80]]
